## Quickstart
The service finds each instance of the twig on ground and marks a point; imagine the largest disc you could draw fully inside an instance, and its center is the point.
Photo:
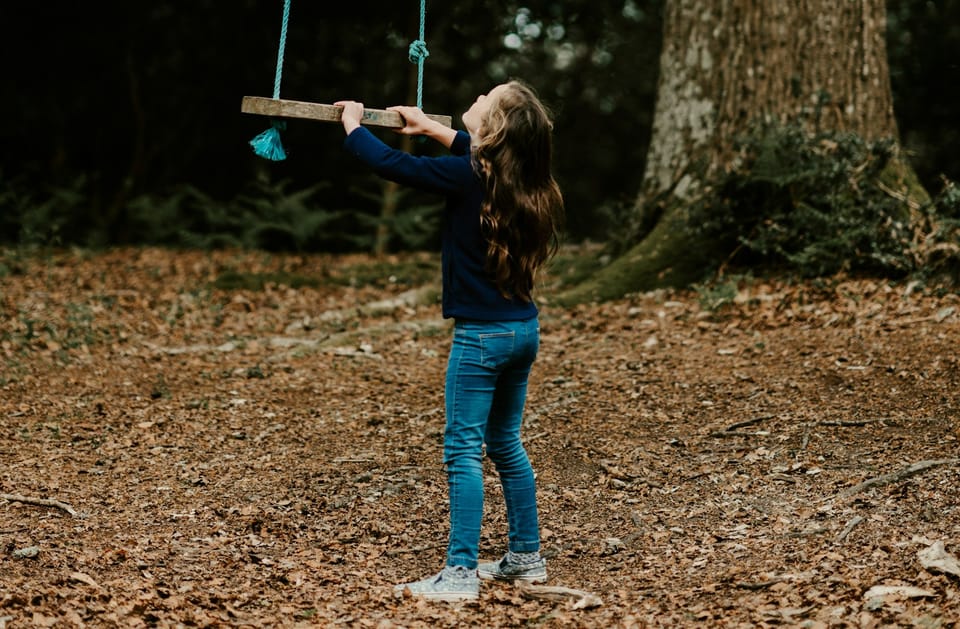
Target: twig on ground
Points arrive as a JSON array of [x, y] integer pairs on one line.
[[854, 422], [40, 502], [581, 599], [808, 532], [806, 438], [848, 528], [738, 433], [747, 422], [893, 477], [762, 585]]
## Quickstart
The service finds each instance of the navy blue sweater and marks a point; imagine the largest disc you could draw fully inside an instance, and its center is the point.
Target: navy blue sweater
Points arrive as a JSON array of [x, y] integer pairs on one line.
[[468, 290]]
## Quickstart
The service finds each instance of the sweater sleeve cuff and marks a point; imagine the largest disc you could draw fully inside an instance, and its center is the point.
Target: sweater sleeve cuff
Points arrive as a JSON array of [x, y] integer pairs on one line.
[[461, 143]]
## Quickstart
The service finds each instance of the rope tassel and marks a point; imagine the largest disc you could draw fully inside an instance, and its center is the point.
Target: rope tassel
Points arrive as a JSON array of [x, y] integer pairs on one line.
[[268, 144]]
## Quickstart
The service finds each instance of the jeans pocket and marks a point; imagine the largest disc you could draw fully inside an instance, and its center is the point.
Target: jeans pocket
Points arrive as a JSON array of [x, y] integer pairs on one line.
[[496, 348]]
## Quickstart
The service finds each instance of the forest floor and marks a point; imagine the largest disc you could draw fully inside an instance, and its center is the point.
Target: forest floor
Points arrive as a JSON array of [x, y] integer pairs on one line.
[[246, 439]]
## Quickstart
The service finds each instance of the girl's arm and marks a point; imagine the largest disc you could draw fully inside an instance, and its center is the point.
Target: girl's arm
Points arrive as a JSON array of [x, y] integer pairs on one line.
[[417, 123], [440, 174]]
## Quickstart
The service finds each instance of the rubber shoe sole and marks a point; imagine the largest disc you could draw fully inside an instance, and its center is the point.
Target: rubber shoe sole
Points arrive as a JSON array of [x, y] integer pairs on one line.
[[443, 586], [497, 571], [446, 597]]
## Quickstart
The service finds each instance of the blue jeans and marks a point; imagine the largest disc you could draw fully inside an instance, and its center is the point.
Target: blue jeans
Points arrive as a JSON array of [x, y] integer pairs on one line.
[[486, 387]]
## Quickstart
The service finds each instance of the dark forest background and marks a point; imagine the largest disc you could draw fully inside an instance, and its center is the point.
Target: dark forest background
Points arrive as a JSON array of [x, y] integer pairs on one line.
[[120, 122]]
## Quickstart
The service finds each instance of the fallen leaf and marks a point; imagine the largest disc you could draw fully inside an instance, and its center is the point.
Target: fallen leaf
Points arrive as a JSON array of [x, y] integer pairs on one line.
[[83, 577], [936, 558]]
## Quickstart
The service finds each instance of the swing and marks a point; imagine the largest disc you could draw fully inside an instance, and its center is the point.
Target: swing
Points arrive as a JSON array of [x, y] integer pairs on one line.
[[268, 145]]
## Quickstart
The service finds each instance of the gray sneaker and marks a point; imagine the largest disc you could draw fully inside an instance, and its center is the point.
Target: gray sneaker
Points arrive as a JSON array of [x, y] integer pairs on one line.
[[453, 583], [509, 570]]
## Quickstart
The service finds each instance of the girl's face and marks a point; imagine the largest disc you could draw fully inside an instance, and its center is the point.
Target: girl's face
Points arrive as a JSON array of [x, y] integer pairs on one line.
[[473, 117]]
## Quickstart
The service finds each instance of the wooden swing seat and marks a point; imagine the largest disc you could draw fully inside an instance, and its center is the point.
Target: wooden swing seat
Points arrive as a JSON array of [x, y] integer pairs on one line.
[[280, 108]]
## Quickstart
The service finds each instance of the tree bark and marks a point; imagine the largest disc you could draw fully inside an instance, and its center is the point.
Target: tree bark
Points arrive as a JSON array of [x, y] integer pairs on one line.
[[725, 66]]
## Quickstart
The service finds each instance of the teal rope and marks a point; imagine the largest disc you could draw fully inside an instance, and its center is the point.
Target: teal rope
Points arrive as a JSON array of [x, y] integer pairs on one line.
[[283, 44], [267, 144], [418, 53]]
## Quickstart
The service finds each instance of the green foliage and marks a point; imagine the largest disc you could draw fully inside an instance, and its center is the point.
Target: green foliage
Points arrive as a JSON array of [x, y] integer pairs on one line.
[[414, 227], [816, 205], [714, 295], [49, 217], [267, 217], [575, 263], [417, 227]]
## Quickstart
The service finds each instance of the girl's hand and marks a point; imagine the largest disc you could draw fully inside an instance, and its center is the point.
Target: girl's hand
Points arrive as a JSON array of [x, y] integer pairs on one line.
[[352, 113], [415, 121]]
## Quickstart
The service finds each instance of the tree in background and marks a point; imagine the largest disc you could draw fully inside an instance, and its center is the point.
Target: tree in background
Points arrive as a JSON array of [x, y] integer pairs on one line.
[[730, 69]]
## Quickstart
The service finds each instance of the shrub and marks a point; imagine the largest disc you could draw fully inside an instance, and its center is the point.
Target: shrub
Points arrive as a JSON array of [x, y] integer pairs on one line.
[[825, 203]]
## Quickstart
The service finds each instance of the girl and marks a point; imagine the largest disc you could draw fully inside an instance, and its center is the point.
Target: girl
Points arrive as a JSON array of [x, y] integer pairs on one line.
[[502, 222]]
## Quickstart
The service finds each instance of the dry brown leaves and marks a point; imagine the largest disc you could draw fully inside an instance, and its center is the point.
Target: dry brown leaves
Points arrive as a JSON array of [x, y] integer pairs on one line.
[[272, 457]]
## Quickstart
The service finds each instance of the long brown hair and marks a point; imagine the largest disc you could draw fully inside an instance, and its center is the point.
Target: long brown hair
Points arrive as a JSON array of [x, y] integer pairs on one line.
[[522, 209]]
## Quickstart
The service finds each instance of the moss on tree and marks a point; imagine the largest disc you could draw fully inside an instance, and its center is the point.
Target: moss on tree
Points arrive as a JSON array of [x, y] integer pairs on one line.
[[670, 255]]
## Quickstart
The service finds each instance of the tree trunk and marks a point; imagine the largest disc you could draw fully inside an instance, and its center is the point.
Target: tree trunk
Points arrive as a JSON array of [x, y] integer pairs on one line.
[[725, 66]]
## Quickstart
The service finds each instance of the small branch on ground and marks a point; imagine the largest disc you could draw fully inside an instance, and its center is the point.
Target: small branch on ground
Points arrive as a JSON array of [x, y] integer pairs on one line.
[[893, 477], [854, 422], [762, 585], [806, 438], [581, 599], [40, 502], [743, 424], [738, 433], [809, 532], [19, 529], [849, 528]]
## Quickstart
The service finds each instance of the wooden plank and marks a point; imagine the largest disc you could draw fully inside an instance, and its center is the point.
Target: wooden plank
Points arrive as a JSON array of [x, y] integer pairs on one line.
[[281, 108]]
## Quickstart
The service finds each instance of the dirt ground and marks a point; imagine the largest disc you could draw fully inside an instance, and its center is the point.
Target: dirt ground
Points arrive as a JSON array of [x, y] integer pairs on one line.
[[239, 439]]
